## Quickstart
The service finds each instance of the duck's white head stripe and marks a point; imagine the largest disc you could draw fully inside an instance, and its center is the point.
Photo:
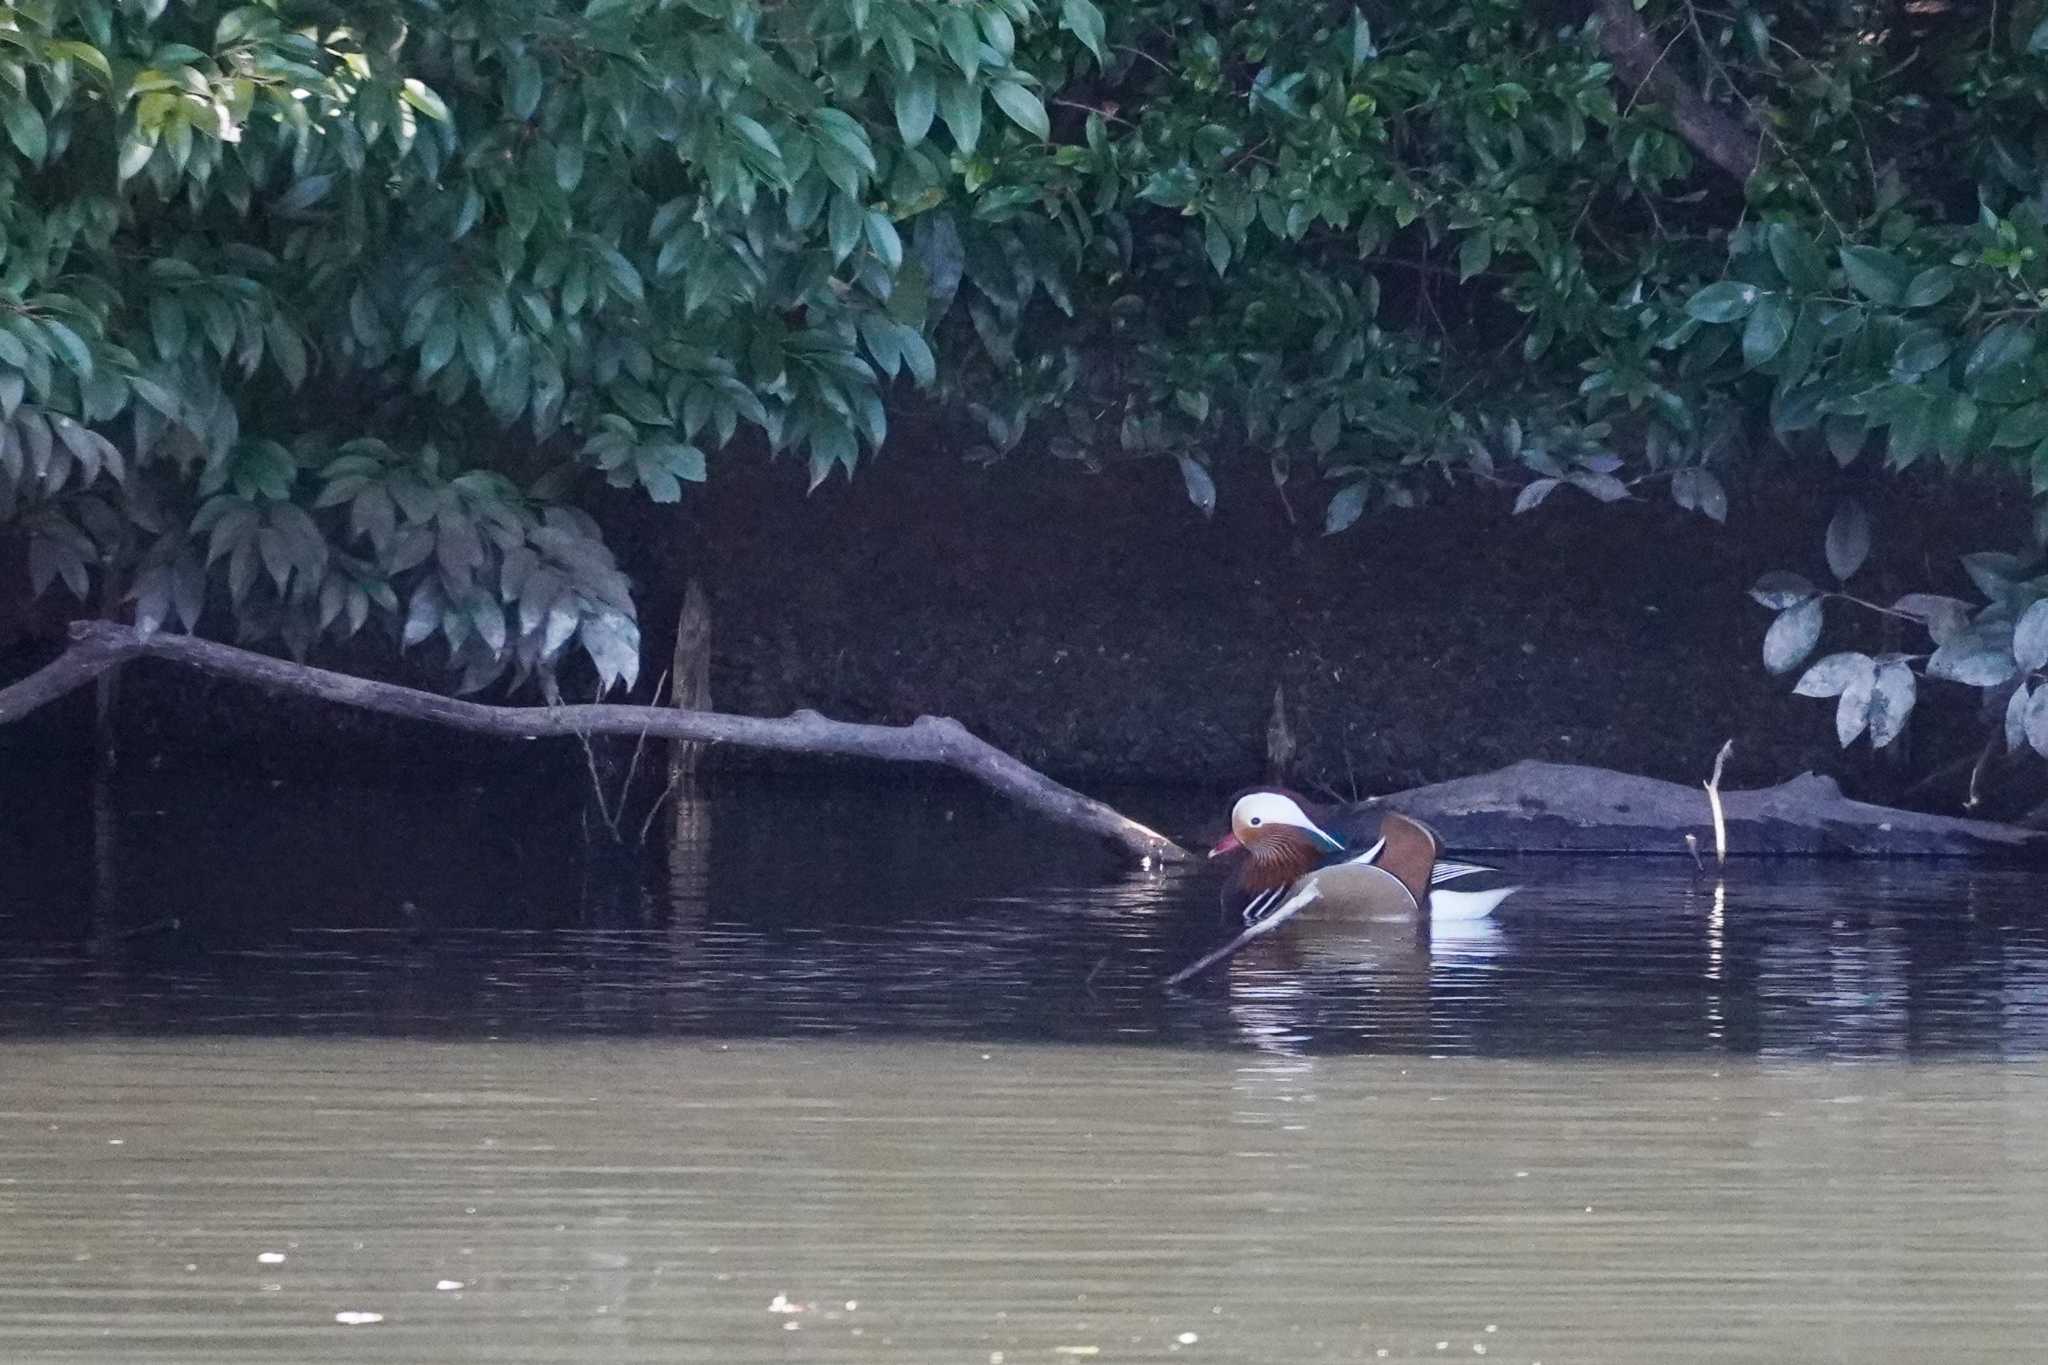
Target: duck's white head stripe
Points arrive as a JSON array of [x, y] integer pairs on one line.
[[1260, 809]]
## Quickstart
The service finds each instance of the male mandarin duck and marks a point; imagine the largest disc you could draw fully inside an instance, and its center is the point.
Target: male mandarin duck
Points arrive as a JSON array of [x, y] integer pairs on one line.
[[1362, 864]]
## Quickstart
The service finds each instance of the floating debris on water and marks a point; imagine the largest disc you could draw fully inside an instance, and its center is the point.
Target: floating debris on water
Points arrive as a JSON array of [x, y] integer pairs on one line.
[[445, 1285], [270, 1258], [358, 1319]]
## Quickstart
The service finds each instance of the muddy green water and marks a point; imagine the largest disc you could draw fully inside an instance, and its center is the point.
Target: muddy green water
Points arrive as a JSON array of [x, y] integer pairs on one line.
[[291, 1076], [944, 1202]]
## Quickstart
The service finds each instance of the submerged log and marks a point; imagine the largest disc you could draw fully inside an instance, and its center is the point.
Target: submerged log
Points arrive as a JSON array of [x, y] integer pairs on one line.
[[100, 645], [1563, 808]]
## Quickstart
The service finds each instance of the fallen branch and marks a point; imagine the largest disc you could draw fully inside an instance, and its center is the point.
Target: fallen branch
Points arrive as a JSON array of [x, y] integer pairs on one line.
[[1727, 140], [1534, 807], [100, 645]]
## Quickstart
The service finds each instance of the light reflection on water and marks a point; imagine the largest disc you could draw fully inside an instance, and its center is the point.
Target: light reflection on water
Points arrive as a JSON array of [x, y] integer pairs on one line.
[[909, 1051]]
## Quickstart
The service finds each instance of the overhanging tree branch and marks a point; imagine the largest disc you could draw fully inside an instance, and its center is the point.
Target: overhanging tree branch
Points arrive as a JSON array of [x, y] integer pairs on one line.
[[1724, 138], [100, 645]]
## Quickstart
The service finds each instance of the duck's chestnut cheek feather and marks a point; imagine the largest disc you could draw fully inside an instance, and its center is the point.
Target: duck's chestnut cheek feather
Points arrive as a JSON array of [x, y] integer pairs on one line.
[[1229, 843]]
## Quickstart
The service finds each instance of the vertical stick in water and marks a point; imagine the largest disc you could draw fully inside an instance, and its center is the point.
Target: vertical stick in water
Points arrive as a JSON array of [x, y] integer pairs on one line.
[[1713, 786]]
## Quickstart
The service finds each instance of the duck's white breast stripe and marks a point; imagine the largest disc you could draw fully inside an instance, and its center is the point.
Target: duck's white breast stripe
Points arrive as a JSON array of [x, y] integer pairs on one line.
[[1263, 902], [1372, 854]]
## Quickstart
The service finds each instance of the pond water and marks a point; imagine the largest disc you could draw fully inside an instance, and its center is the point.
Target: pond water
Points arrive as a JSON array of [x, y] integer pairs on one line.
[[886, 1074]]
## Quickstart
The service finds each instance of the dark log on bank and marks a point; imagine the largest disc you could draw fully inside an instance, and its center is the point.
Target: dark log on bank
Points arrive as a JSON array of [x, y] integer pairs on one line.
[[1562, 808], [99, 645]]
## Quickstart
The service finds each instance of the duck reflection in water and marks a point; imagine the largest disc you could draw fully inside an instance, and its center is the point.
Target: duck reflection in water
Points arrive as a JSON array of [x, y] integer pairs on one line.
[[1372, 987], [1344, 883]]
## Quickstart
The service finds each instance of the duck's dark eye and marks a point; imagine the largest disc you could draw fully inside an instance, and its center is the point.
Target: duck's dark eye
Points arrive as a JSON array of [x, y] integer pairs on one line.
[[1257, 820]]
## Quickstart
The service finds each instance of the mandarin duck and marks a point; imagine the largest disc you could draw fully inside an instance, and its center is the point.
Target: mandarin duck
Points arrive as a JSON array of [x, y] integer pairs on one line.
[[1364, 864]]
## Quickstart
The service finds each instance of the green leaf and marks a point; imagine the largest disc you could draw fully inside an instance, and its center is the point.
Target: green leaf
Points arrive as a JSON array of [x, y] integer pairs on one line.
[[960, 107], [1848, 540], [438, 348], [1956, 427], [2036, 722], [1533, 493], [1845, 437], [1082, 19], [1929, 287], [1798, 259], [71, 347], [1852, 712], [136, 151], [2022, 426], [2030, 638], [1363, 49], [1792, 636], [1922, 350], [1877, 275], [917, 354], [1891, 701], [419, 96], [569, 164], [305, 192], [1329, 424], [2003, 347], [1768, 327], [25, 127], [1723, 302], [756, 135], [1346, 507], [1779, 590], [1698, 490], [1475, 253], [883, 238], [1828, 677], [844, 223], [917, 101], [1023, 107], [1979, 657], [524, 89], [1201, 488], [961, 39], [1944, 617]]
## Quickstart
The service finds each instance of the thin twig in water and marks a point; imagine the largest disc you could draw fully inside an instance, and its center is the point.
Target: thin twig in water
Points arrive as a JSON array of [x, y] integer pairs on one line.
[[675, 779], [605, 812], [1977, 770], [1713, 786]]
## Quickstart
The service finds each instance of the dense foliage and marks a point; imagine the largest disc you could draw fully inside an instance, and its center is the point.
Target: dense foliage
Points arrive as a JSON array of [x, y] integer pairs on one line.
[[316, 317]]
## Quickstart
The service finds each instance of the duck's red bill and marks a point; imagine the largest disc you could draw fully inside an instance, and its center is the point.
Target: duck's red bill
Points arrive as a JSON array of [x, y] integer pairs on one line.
[[1227, 844]]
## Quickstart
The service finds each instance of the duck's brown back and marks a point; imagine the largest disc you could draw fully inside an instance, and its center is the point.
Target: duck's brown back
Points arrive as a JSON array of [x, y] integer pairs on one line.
[[1410, 853]]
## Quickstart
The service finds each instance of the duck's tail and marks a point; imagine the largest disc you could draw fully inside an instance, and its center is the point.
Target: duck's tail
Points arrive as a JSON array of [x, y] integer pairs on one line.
[[1463, 891]]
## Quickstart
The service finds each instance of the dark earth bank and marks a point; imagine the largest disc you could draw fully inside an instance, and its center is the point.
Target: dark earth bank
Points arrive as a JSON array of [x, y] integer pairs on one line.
[[1099, 627]]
